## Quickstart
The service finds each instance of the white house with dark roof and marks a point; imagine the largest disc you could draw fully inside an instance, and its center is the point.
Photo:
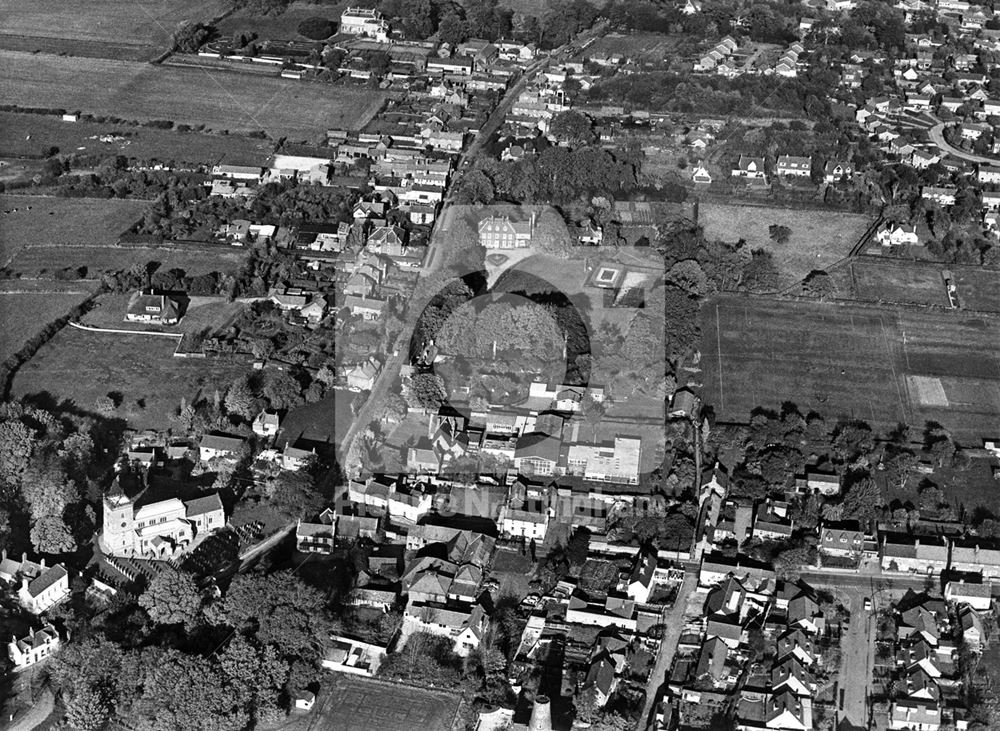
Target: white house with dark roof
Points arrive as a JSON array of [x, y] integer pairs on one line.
[[151, 307], [795, 167], [214, 446], [897, 234], [266, 424], [977, 596], [750, 167], [33, 648], [914, 715], [41, 586]]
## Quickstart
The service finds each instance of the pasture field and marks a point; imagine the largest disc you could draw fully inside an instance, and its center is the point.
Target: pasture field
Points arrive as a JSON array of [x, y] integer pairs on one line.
[[30, 134], [79, 366], [852, 361], [818, 238], [895, 280], [23, 314], [213, 313], [351, 703], [54, 222], [139, 30], [978, 288], [218, 99], [284, 27]]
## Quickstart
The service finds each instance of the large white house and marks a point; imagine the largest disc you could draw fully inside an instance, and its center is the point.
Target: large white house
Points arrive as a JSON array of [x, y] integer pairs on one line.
[[364, 22], [42, 587]]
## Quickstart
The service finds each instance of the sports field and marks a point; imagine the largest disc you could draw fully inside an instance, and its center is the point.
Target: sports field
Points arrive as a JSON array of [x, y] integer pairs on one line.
[[30, 134], [53, 222], [877, 364], [347, 703], [219, 99], [817, 239], [139, 30]]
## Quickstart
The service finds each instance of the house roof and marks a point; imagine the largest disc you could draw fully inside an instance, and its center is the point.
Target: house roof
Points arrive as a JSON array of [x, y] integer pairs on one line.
[[149, 304], [538, 446], [221, 442], [202, 505], [46, 579]]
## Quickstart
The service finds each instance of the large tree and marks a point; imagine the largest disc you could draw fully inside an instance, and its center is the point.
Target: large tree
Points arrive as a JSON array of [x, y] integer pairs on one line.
[[172, 597]]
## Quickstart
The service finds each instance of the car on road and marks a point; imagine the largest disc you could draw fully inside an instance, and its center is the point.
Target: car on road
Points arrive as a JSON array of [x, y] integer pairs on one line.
[[842, 698], [868, 603]]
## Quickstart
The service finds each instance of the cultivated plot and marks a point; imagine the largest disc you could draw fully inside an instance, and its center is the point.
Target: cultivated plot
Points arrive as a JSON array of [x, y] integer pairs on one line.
[[138, 30], [890, 280], [880, 365], [817, 239], [217, 98]]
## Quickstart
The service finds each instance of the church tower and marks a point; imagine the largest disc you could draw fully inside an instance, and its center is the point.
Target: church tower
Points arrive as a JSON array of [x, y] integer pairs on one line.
[[117, 536]]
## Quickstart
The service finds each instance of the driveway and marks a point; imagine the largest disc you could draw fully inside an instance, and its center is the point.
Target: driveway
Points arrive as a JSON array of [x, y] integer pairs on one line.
[[673, 621], [936, 133]]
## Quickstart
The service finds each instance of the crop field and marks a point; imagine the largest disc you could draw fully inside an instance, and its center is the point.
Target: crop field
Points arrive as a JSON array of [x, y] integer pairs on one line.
[[23, 314], [218, 99], [212, 313], [818, 238], [349, 703], [978, 289], [79, 367], [894, 280], [30, 134], [852, 361], [137, 30], [55, 222]]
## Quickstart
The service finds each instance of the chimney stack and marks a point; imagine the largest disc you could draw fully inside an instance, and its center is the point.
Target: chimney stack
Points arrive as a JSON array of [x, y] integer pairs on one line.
[[541, 715]]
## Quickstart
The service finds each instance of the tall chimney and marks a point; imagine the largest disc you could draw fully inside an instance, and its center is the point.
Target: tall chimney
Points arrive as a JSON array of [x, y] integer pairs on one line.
[[541, 715]]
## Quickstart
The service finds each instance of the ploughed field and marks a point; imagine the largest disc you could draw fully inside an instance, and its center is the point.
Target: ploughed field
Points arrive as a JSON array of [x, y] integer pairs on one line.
[[881, 365]]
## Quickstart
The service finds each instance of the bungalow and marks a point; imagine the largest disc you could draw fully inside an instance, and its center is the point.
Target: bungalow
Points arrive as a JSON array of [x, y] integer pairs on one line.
[[916, 101], [367, 308], [896, 234], [943, 196], [33, 648], [214, 446], [700, 175], [952, 103], [818, 483], [973, 130], [750, 167], [151, 307], [834, 172]]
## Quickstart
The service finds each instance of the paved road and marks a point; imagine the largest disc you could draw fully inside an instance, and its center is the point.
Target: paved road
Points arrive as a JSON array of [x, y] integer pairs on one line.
[[673, 620], [936, 133], [857, 659]]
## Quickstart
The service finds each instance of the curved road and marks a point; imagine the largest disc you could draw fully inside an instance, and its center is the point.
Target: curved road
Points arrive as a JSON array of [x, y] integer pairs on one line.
[[936, 133]]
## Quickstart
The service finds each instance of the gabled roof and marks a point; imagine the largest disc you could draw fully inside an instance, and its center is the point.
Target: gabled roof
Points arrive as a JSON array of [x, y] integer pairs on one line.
[[46, 579]]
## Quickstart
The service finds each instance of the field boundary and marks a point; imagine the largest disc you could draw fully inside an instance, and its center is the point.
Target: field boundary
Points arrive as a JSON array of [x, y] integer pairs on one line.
[[178, 353]]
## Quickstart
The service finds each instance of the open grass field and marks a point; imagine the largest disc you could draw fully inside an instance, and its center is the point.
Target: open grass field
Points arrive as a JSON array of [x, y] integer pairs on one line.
[[855, 361], [349, 703], [978, 288], [818, 238], [79, 366], [138, 30], [218, 99], [894, 280], [30, 134], [40, 260], [53, 222], [213, 313], [22, 315]]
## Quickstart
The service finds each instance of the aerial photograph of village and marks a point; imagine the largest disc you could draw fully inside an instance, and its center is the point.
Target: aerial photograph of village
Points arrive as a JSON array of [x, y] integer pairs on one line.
[[500, 365]]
